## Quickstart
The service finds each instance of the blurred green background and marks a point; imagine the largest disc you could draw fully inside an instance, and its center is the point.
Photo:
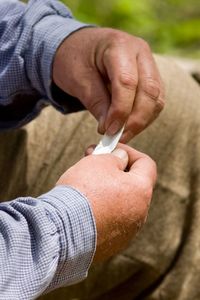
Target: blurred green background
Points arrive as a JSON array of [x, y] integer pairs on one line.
[[170, 26]]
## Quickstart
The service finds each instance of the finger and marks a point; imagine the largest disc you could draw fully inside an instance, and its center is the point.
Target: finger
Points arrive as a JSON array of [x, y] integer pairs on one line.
[[89, 150], [96, 98], [121, 67], [145, 167], [140, 164], [145, 111], [150, 81], [118, 159], [149, 99]]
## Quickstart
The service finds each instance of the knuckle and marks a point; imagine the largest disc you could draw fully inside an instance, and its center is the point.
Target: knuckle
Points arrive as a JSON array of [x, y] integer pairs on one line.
[[120, 113], [138, 124], [128, 80], [117, 42], [160, 105], [117, 37], [153, 168], [151, 88], [144, 45]]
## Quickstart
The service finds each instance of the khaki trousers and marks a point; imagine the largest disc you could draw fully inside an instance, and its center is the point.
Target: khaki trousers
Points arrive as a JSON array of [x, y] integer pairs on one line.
[[163, 262]]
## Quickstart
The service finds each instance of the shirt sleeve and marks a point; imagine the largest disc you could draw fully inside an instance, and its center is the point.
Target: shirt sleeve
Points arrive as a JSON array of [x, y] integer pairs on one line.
[[30, 34], [45, 243]]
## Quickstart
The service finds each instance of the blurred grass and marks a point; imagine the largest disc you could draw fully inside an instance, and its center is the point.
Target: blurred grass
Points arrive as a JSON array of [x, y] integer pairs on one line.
[[170, 26]]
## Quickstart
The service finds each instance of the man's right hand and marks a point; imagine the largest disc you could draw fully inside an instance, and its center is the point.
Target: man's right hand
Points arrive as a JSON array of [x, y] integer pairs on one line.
[[119, 199], [115, 77]]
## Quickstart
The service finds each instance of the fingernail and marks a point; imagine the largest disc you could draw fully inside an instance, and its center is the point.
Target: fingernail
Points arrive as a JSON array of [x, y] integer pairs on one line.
[[114, 128], [122, 154]]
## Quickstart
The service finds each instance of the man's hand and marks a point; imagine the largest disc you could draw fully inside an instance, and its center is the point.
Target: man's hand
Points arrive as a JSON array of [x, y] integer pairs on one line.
[[114, 75], [119, 199]]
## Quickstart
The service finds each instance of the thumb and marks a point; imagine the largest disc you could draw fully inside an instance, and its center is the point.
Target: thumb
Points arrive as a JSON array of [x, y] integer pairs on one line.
[[123, 158]]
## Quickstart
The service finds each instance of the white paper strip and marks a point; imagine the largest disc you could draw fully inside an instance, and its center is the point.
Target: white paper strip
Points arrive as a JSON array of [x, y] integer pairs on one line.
[[108, 143]]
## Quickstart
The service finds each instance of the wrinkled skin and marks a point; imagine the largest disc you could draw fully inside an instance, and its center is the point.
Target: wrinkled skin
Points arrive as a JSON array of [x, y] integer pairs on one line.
[[119, 199], [115, 77]]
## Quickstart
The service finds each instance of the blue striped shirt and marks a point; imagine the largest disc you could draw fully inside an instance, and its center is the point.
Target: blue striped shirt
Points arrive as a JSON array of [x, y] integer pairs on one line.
[[49, 241]]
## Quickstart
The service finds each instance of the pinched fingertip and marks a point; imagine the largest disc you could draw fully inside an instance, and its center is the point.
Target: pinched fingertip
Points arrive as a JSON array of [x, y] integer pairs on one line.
[[123, 155]]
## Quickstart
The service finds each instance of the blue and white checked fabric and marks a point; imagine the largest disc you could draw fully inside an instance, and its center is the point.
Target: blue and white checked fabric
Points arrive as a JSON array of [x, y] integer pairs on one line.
[[29, 37], [45, 242]]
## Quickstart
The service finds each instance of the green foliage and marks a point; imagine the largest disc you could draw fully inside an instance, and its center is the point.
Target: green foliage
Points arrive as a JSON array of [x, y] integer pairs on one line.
[[170, 26]]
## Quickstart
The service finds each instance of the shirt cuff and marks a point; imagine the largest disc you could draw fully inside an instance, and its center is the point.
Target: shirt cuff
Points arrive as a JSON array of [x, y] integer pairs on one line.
[[47, 35], [72, 214], [54, 31]]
